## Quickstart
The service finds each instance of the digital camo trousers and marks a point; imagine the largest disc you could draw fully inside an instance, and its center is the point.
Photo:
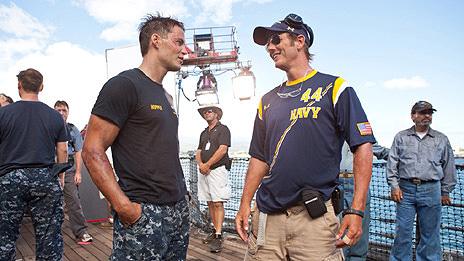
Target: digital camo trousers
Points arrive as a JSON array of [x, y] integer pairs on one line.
[[38, 190], [161, 233]]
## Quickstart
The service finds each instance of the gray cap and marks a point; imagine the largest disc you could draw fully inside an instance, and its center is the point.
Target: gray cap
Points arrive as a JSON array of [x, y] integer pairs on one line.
[[422, 106]]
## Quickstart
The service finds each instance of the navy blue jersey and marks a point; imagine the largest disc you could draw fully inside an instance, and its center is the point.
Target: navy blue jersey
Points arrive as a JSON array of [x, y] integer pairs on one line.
[[299, 130], [29, 131]]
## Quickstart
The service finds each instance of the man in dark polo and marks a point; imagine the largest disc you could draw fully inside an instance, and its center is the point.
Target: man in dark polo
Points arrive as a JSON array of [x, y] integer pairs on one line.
[[214, 165]]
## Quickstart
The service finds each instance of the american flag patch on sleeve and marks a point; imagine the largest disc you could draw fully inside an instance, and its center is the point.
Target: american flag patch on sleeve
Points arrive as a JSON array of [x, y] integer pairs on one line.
[[364, 128]]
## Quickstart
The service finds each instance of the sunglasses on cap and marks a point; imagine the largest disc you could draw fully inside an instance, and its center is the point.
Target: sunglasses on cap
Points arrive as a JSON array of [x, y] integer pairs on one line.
[[294, 21]]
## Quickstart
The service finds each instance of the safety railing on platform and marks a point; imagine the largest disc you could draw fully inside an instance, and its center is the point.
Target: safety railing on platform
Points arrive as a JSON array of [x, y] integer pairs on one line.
[[383, 209]]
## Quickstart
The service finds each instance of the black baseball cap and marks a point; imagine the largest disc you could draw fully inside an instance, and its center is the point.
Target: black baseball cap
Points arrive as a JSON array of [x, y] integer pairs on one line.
[[292, 23], [422, 106]]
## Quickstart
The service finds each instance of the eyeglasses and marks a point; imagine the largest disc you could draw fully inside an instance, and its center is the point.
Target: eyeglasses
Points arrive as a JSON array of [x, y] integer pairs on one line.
[[208, 111], [291, 94], [274, 39]]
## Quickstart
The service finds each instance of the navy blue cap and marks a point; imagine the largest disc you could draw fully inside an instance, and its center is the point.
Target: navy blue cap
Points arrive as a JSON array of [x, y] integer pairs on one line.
[[261, 34]]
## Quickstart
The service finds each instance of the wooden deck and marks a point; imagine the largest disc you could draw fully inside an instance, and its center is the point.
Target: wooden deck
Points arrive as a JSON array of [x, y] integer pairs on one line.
[[100, 249]]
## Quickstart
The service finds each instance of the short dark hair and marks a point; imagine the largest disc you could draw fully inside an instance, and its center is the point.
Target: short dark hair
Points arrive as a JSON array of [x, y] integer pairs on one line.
[[8, 98], [61, 103], [31, 80], [155, 24], [309, 55]]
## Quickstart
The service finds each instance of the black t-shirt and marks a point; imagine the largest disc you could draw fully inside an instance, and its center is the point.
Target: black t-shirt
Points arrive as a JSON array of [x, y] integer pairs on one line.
[[210, 140], [29, 131], [146, 150]]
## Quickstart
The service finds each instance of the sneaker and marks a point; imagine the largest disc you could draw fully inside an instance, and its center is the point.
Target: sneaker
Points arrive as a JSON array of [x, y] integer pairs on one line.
[[85, 239], [209, 238], [216, 244], [106, 224]]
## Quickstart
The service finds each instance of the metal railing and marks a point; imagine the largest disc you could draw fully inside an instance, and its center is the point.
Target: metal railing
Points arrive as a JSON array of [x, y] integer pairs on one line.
[[383, 209]]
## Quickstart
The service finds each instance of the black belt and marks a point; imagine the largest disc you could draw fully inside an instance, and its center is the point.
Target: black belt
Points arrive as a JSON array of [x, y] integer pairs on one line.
[[419, 181]]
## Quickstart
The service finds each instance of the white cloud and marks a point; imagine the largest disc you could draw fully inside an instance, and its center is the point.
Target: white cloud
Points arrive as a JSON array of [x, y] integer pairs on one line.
[[369, 84], [16, 21], [414, 82], [119, 32], [124, 16], [215, 11], [20, 34], [260, 1], [13, 46], [70, 73], [76, 75]]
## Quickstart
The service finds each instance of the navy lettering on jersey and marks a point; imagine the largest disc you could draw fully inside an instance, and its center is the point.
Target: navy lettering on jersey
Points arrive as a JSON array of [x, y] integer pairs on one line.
[[300, 137]]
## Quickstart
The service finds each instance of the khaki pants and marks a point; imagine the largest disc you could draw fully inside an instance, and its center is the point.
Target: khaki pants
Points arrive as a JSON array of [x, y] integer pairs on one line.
[[294, 235]]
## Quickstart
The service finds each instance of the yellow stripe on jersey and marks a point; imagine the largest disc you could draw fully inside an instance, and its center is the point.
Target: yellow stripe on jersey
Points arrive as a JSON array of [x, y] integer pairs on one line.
[[260, 109], [302, 79], [339, 86], [279, 144]]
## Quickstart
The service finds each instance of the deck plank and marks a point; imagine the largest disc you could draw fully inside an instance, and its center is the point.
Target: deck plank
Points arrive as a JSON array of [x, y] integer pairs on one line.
[[23, 248], [100, 249]]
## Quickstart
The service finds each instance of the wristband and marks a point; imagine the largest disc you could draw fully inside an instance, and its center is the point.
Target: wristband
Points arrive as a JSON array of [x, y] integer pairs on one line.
[[351, 211]]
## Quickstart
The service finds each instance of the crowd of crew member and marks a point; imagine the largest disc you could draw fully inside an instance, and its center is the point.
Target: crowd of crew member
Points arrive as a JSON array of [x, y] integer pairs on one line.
[[310, 132]]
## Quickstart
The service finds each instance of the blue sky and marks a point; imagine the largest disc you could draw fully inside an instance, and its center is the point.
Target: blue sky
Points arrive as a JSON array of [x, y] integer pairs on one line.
[[392, 52]]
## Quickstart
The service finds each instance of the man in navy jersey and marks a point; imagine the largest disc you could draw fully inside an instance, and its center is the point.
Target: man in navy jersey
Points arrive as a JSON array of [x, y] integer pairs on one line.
[[31, 135], [295, 151], [134, 115]]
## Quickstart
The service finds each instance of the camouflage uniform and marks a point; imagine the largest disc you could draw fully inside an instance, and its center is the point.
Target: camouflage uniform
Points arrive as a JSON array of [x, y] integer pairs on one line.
[[39, 189], [161, 233]]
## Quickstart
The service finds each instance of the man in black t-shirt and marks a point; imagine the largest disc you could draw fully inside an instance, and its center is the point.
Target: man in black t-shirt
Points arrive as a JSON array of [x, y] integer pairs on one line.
[[214, 165], [134, 115], [31, 134]]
